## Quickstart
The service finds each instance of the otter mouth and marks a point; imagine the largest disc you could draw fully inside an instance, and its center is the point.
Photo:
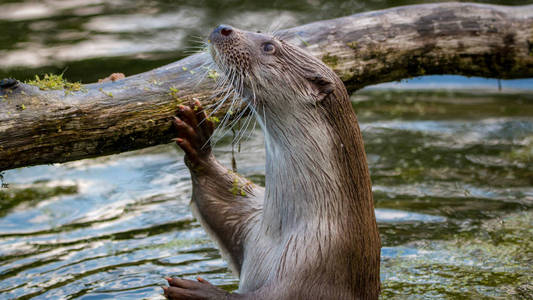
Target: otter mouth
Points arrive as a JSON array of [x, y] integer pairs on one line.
[[228, 48], [245, 59], [230, 54]]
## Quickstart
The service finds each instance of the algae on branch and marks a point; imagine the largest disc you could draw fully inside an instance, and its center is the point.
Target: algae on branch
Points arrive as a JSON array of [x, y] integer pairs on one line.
[[214, 119], [212, 74], [109, 94], [174, 94], [354, 45], [55, 82], [330, 60]]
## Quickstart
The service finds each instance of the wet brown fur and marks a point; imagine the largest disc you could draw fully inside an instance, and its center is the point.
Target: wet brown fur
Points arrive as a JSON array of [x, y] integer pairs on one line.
[[311, 233]]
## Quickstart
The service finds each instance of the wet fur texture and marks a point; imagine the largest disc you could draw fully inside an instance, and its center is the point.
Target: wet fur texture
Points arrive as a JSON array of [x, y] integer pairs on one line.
[[311, 233]]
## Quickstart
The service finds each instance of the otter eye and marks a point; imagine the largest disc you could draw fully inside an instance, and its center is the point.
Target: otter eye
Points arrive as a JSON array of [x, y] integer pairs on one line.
[[269, 48]]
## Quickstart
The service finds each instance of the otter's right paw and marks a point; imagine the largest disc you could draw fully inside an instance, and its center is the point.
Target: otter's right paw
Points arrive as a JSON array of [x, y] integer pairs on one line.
[[193, 290], [194, 131]]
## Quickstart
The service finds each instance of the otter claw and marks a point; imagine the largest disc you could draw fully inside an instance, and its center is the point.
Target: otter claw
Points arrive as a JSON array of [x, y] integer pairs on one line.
[[193, 132]]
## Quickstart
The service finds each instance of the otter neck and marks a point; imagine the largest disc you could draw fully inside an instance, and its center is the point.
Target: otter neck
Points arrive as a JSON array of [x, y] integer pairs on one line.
[[318, 188], [304, 171]]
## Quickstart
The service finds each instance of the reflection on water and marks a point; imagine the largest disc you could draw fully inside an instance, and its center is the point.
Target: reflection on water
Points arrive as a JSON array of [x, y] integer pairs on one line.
[[454, 197]]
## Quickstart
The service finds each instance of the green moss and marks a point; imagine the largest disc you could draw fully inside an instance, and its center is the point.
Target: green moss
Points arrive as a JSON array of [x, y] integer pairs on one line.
[[184, 68], [347, 76], [155, 82], [173, 91], [237, 189], [55, 82], [109, 94], [303, 41], [353, 45], [214, 119], [212, 74], [174, 94], [330, 60]]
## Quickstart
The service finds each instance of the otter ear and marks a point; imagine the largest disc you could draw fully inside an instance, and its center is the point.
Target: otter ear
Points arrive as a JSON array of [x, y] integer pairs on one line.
[[323, 85]]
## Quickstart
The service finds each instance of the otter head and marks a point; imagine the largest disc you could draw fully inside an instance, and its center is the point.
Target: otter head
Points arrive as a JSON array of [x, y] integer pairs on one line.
[[268, 71]]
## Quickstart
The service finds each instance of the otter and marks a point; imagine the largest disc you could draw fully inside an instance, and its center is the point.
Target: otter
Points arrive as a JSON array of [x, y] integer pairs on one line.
[[311, 233]]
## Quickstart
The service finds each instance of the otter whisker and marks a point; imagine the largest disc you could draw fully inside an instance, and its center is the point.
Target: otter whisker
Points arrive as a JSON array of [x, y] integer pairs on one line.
[[204, 74], [244, 128], [239, 116], [218, 105], [230, 127], [226, 92], [198, 39], [255, 123], [264, 119], [230, 110], [226, 78], [230, 84], [283, 34]]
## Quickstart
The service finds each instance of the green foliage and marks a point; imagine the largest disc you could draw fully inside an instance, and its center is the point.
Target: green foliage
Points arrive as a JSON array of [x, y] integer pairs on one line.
[[237, 189], [55, 82], [174, 94], [214, 119], [212, 74], [330, 60]]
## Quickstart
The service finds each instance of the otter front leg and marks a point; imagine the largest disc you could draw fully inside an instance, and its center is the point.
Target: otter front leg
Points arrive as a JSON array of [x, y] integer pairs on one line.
[[226, 204]]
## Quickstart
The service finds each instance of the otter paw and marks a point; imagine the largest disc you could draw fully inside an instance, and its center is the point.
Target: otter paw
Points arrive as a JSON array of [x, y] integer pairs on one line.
[[193, 290], [194, 131]]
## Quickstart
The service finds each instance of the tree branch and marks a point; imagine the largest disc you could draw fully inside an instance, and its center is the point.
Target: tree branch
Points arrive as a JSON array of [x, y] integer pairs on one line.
[[38, 127]]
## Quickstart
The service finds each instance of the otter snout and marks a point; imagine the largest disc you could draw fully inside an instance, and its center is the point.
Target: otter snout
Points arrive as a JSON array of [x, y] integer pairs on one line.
[[222, 31]]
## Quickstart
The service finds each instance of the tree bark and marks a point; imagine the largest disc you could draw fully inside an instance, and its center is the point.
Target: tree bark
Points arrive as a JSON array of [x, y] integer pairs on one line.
[[39, 127]]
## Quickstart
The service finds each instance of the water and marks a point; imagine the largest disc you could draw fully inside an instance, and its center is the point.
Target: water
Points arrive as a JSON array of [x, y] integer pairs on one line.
[[452, 171]]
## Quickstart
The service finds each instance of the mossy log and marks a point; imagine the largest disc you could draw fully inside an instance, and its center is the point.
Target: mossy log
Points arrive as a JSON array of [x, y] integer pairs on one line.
[[51, 126]]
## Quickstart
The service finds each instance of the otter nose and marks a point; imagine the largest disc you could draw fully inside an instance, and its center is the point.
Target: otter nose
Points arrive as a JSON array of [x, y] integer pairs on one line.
[[224, 30]]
